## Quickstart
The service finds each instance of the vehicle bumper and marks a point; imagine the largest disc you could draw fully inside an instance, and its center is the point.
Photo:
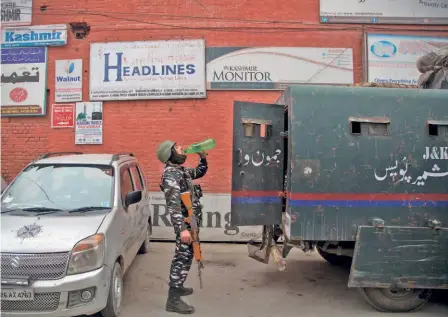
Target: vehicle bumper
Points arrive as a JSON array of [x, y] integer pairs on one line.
[[100, 279]]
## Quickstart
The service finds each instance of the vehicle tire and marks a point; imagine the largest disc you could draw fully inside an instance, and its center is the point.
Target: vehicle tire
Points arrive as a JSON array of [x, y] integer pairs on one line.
[[336, 260], [144, 248], [113, 307], [396, 301]]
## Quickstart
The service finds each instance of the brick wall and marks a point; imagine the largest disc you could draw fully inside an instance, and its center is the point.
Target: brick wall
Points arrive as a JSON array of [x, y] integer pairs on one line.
[[139, 126]]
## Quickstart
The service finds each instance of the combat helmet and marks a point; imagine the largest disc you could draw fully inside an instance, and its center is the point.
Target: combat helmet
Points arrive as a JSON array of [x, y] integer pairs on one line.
[[164, 151]]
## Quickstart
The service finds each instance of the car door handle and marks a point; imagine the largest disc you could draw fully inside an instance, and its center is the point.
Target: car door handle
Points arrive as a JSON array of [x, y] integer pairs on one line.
[[136, 207]]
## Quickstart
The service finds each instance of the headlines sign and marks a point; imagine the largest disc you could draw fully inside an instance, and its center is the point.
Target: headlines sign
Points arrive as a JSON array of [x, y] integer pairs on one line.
[[215, 220], [393, 58], [274, 68], [68, 80], [63, 116], [36, 35], [384, 11], [89, 123], [24, 81], [16, 12], [147, 70]]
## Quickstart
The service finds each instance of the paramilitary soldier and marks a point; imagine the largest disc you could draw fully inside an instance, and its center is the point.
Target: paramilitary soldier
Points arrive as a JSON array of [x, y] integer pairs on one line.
[[175, 180]]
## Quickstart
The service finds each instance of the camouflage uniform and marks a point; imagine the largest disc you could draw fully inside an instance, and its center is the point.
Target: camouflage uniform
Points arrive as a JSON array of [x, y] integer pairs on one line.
[[176, 180]]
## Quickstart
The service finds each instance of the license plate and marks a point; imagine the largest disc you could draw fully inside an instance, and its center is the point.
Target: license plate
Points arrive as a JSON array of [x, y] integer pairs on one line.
[[17, 294]]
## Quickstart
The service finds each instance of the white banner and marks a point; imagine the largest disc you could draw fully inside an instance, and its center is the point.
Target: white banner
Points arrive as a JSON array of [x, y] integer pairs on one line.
[[384, 11], [36, 35], [16, 12], [216, 220], [89, 123], [392, 58], [274, 68], [147, 70], [23, 82], [68, 80]]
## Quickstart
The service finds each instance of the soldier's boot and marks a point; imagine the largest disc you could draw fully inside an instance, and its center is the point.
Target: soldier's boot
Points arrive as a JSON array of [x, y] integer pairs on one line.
[[175, 304], [185, 291]]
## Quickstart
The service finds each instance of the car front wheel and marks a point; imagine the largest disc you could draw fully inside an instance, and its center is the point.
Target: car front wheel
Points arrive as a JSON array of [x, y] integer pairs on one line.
[[113, 307]]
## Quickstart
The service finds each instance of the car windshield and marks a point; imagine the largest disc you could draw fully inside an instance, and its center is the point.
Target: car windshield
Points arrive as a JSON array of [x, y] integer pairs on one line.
[[63, 187]]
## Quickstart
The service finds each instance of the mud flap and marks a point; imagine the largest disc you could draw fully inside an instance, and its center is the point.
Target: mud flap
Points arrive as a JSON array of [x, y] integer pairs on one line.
[[400, 257]]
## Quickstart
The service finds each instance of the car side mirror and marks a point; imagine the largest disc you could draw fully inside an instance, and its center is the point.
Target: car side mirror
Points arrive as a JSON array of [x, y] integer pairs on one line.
[[133, 198]]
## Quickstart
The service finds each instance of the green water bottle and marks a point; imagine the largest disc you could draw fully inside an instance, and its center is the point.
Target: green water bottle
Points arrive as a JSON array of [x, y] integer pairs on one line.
[[201, 146]]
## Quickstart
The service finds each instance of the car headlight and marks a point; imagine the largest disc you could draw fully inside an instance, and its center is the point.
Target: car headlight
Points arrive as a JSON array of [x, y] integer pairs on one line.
[[87, 255]]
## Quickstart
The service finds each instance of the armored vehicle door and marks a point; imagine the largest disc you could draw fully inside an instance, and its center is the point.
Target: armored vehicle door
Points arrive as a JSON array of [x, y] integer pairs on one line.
[[258, 164]]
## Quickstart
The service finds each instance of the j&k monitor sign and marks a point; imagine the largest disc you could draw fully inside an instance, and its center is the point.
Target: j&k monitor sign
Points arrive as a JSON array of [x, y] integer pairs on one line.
[[147, 70], [274, 68], [216, 220]]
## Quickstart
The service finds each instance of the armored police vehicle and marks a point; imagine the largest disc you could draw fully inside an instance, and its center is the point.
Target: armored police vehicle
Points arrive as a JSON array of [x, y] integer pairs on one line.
[[358, 173]]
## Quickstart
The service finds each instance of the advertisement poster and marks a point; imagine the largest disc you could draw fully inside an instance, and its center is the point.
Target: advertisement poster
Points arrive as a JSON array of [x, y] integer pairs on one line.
[[147, 70], [36, 35], [68, 80], [392, 58], [63, 116], [216, 225], [89, 123], [384, 11], [16, 12], [24, 81], [274, 68]]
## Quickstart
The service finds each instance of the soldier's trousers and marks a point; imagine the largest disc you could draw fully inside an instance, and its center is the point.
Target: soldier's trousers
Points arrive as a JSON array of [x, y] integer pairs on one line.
[[180, 266]]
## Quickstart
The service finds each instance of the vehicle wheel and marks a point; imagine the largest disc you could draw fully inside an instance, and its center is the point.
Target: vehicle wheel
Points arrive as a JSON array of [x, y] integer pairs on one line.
[[144, 248], [395, 300], [336, 260], [113, 307]]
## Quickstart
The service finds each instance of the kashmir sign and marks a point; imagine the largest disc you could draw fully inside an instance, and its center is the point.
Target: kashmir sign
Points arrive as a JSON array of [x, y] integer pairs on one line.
[[68, 86], [36, 35], [216, 224], [274, 68], [384, 11], [63, 116], [392, 58], [24, 81], [89, 123], [16, 12], [147, 70]]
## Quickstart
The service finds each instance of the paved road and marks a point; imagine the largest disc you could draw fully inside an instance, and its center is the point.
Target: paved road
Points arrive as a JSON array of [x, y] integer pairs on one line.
[[235, 285]]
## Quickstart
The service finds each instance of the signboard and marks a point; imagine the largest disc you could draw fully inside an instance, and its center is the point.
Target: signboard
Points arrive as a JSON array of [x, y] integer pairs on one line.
[[16, 12], [68, 80], [89, 123], [63, 116], [147, 70], [24, 81], [215, 217], [273, 68], [392, 58], [36, 35], [384, 11]]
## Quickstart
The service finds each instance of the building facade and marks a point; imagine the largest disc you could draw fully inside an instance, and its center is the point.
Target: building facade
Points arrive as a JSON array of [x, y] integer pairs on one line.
[[138, 126]]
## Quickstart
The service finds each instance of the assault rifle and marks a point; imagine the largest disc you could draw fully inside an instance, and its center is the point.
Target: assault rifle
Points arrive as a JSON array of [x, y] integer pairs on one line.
[[193, 221]]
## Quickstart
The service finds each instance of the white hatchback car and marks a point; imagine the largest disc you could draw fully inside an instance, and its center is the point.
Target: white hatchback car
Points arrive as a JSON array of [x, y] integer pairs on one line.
[[71, 225]]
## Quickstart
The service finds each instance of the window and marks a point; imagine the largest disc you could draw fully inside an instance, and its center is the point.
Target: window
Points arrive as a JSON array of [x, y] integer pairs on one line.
[[61, 186], [125, 183], [371, 126], [136, 177]]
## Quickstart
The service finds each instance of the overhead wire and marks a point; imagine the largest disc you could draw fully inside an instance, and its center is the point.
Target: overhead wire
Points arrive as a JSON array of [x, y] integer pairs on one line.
[[306, 27]]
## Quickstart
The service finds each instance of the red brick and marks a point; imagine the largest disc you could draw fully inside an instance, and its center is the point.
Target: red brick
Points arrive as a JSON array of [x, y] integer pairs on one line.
[[139, 126]]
